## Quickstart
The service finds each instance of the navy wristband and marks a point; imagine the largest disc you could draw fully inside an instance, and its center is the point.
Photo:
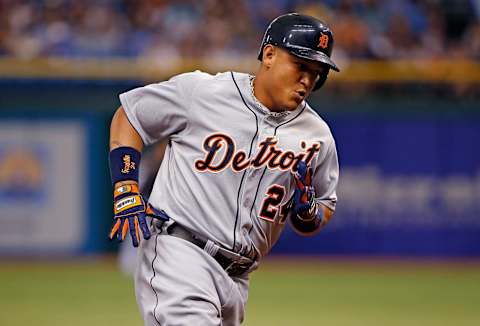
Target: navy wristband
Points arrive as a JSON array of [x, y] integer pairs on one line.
[[124, 164]]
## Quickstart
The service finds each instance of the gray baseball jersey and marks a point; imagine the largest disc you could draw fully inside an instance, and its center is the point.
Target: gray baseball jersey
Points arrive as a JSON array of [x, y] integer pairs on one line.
[[227, 172]]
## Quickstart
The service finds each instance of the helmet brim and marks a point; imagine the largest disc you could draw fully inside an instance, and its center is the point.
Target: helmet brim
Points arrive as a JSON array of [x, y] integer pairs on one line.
[[310, 54]]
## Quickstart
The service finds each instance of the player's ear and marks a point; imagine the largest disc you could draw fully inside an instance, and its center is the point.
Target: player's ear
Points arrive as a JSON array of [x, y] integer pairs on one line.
[[268, 56]]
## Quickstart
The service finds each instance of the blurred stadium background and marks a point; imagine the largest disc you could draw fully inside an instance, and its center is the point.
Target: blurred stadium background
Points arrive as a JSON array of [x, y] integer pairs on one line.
[[404, 246]]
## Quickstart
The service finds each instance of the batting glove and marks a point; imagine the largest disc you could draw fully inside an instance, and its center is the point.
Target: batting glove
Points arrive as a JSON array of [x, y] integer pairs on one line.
[[130, 212], [304, 205]]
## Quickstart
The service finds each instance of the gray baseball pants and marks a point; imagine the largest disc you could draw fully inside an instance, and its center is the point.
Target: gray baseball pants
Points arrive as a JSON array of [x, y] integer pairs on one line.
[[177, 283]]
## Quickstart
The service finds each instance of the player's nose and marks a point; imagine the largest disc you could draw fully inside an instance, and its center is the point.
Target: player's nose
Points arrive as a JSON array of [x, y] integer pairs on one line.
[[307, 80]]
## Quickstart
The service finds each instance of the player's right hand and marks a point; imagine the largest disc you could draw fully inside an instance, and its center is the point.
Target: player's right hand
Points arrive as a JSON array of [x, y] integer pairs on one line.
[[130, 212], [304, 195]]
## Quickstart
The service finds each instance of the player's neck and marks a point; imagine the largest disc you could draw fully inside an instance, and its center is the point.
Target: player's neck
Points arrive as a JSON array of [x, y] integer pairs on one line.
[[262, 94]]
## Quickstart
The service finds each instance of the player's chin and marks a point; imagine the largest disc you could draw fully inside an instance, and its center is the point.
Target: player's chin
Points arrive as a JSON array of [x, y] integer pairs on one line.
[[294, 101]]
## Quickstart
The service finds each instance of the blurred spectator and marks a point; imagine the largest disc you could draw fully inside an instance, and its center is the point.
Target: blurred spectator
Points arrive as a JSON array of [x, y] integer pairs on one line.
[[99, 32], [351, 33], [472, 41], [164, 30], [433, 38]]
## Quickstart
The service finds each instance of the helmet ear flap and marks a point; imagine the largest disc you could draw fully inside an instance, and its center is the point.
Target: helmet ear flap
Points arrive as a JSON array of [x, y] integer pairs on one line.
[[321, 80]]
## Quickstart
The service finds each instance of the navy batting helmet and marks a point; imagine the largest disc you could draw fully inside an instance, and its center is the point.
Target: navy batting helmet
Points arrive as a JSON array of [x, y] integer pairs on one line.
[[303, 36]]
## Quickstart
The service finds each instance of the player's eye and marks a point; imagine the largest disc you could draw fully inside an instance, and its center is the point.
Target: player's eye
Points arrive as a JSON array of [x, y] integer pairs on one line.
[[301, 66]]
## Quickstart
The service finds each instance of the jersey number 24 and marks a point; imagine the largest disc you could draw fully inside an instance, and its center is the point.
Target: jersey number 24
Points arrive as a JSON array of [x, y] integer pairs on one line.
[[271, 204]]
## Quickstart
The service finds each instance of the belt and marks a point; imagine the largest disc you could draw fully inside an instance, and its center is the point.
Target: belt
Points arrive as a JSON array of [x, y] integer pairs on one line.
[[233, 263]]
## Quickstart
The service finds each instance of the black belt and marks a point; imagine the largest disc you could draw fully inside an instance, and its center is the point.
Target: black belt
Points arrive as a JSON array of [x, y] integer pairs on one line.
[[234, 264]]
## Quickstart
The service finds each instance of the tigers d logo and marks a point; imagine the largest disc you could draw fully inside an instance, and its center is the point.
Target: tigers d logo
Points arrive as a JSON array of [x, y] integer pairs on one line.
[[323, 41]]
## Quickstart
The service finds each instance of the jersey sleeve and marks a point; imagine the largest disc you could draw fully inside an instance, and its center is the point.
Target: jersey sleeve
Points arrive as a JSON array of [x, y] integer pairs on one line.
[[158, 111], [325, 176]]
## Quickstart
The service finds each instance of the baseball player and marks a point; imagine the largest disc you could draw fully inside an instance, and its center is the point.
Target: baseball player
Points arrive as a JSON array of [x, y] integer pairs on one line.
[[245, 153]]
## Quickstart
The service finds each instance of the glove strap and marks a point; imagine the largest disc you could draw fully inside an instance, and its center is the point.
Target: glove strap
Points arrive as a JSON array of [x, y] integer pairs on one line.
[[125, 189], [124, 164], [123, 206], [311, 213]]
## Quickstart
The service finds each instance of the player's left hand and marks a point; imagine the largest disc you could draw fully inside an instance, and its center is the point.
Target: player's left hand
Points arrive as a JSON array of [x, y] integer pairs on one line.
[[130, 212], [304, 196]]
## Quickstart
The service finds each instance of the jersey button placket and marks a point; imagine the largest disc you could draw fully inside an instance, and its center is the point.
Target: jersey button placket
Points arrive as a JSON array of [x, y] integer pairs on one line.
[[249, 187], [265, 131], [253, 174]]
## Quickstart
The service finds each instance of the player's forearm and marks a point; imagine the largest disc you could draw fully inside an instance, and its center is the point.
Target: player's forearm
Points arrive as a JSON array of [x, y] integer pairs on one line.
[[123, 134], [306, 225], [327, 215]]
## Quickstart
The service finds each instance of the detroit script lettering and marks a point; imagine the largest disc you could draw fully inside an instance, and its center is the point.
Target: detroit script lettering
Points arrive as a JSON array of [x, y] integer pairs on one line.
[[221, 146]]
